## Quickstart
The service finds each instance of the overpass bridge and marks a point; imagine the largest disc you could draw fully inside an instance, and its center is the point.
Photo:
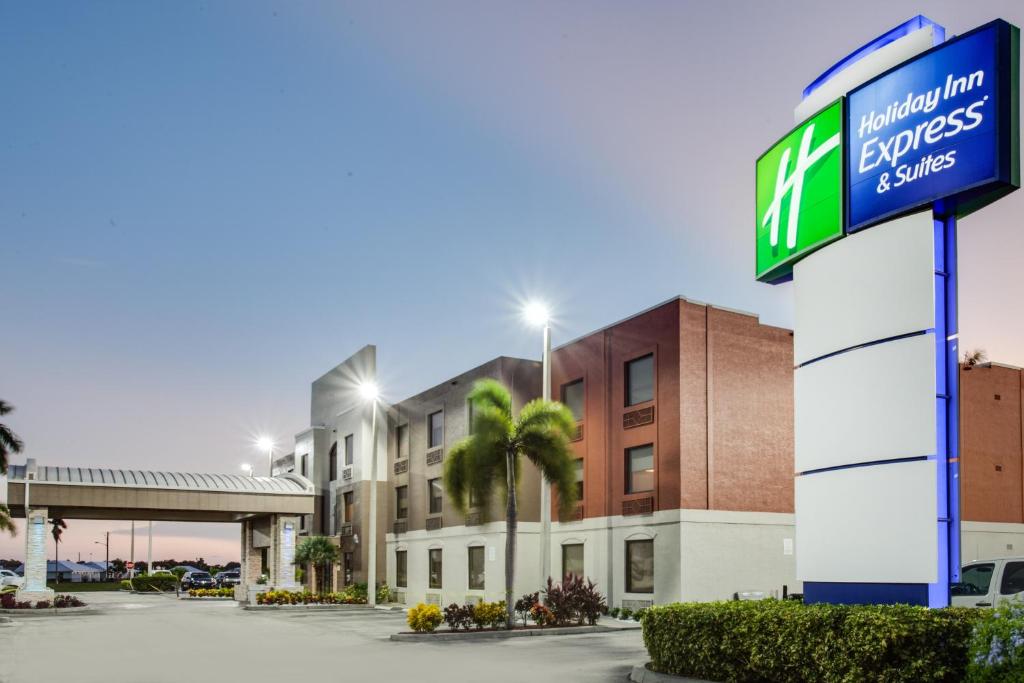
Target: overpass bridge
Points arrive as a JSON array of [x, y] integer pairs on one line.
[[267, 508]]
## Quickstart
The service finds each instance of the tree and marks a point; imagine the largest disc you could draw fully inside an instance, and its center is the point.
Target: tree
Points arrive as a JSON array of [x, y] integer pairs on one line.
[[317, 551], [972, 358], [59, 525], [9, 443], [490, 459]]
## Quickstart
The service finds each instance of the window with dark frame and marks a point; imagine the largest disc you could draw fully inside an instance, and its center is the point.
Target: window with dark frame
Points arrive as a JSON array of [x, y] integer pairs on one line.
[[640, 566], [304, 465], [435, 568], [435, 429], [347, 499], [334, 461], [640, 380], [578, 464], [436, 491], [640, 469], [349, 449], [476, 568], [402, 441], [401, 569], [572, 398], [401, 502], [572, 559]]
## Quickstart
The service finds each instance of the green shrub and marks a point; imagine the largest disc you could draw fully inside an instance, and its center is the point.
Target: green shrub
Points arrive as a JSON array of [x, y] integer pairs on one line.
[[997, 647], [786, 641], [424, 618], [489, 614], [126, 585], [156, 582], [211, 592]]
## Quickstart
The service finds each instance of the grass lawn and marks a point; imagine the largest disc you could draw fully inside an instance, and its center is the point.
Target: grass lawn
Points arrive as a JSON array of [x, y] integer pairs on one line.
[[72, 587]]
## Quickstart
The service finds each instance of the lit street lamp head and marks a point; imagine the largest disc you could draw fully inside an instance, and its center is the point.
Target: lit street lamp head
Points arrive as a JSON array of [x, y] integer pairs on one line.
[[264, 443], [536, 313], [369, 391]]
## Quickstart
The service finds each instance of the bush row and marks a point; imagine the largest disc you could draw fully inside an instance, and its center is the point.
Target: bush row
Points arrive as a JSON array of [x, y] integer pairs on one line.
[[7, 601], [157, 582], [308, 598], [211, 592], [424, 618], [482, 615], [786, 641]]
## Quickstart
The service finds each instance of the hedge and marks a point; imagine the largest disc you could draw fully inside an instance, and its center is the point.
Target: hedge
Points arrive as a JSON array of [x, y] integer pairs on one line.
[[789, 642], [156, 582]]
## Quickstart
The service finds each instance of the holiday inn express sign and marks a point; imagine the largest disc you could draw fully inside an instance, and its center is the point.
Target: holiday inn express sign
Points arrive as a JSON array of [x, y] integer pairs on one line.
[[858, 206], [942, 126]]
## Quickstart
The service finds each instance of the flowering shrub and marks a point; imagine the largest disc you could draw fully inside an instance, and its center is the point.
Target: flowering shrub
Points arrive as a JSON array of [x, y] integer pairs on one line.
[[424, 618], [307, 598], [541, 615], [487, 614], [524, 604], [997, 646], [211, 592], [458, 616], [43, 604], [575, 600], [61, 601], [7, 601]]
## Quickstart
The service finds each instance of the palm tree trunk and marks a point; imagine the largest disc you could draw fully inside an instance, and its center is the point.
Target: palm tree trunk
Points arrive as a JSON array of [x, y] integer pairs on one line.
[[511, 524]]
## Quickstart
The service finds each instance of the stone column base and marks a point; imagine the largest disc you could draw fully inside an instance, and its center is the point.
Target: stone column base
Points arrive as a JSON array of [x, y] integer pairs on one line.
[[34, 596]]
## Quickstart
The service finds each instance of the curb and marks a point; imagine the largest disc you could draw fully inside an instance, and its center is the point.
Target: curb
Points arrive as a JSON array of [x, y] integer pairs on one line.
[[641, 674], [499, 634], [50, 612], [207, 599], [306, 608]]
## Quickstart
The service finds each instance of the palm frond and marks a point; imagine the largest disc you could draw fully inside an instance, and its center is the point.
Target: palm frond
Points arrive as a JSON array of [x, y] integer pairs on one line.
[[5, 407], [491, 392], [544, 415], [548, 449], [6, 524], [456, 475]]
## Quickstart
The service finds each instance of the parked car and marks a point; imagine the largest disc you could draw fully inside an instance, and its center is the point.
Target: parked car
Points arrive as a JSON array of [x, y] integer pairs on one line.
[[9, 578], [197, 580], [987, 583], [227, 579]]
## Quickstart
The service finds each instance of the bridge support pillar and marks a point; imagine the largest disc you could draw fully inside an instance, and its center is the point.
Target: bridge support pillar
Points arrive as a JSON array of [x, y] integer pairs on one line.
[[34, 587]]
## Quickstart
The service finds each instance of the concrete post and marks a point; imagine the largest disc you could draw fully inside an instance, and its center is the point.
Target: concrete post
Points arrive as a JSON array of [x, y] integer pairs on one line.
[[35, 557]]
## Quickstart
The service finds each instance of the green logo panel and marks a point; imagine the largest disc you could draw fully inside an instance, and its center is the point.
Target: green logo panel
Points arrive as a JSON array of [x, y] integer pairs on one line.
[[800, 193]]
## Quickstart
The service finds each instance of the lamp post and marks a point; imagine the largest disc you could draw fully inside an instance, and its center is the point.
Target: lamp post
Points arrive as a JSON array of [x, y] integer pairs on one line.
[[265, 443], [537, 315], [370, 393], [106, 565]]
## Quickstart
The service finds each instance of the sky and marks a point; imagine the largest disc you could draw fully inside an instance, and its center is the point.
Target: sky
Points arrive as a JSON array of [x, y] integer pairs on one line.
[[206, 205]]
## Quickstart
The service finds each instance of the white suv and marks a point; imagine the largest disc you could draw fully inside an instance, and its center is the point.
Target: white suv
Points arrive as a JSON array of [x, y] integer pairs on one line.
[[986, 583], [9, 578]]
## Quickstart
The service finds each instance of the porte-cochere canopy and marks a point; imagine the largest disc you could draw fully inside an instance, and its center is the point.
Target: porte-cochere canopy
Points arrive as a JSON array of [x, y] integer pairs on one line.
[[101, 493]]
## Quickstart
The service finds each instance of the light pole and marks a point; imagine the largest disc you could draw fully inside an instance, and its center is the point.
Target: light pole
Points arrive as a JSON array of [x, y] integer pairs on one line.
[[106, 565], [370, 393], [537, 314], [246, 467], [149, 550], [265, 443]]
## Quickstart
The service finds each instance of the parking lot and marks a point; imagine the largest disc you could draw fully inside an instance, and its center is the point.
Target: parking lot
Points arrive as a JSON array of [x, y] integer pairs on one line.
[[157, 639]]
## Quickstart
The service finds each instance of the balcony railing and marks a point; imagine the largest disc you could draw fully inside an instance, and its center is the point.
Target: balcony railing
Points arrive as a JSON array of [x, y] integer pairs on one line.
[[345, 529], [434, 523], [578, 436], [638, 506], [637, 418], [435, 456], [399, 527], [346, 474], [402, 466]]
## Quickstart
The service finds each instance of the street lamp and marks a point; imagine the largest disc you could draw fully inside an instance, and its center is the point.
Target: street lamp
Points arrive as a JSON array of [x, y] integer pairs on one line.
[[246, 467], [265, 443], [370, 394], [106, 566], [537, 314]]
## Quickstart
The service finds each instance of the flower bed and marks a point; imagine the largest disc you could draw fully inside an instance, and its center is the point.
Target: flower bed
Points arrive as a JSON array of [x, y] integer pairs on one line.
[[8, 601], [211, 592], [308, 598], [787, 641], [997, 648]]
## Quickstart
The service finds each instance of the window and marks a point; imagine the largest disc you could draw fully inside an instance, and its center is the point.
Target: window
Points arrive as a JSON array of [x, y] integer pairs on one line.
[[640, 566], [469, 416], [578, 462], [572, 559], [1013, 578], [334, 461], [640, 469], [434, 567], [347, 509], [436, 492], [349, 449], [348, 563], [435, 429], [975, 580], [476, 568], [401, 569], [640, 380], [402, 499], [402, 441], [572, 397], [304, 465]]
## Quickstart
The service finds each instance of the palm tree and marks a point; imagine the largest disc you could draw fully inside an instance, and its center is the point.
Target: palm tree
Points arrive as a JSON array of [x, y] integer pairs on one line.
[[59, 525], [491, 458], [5, 521], [9, 441], [972, 358], [318, 551]]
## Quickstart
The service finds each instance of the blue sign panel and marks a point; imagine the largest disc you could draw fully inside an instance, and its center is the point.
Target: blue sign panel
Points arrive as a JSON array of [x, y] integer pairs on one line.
[[939, 127]]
